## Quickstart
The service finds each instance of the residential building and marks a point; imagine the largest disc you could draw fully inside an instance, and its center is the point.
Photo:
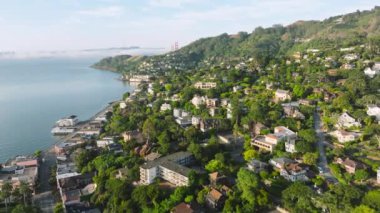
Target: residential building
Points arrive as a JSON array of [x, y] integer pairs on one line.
[[346, 121], [170, 168], [15, 174], [370, 72], [209, 124], [133, 135], [205, 85], [348, 66], [105, 142], [374, 110], [195, 121], [216, 178], [198, 100], [165, 107], [236, 88], [70, 182], [257, 128], [68, 121], [294, 172], [257, 166], [351, 57], [350, 165], [186, 208], [212, 102], [229, 138], [122, 105], [215, 199], [345, 136], [293, 112], [184, 121], [139, 78], [213, 111], [378, 175], [266, 142], [280, 163], [281, 95]]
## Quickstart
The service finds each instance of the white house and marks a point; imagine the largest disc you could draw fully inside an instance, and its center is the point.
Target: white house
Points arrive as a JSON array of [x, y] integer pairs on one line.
[[122, 105], [205, 85], [345, 136], [282, 95], [345, 120], [371, 72], [351, 57], [374, 110], [165, 107], [68, 121], [198, 100], [105, 142], [195, 120], [378, 175]]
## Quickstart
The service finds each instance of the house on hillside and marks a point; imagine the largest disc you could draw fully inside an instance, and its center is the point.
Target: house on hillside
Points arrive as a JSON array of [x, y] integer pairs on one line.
[[282, 95], [165, 107], [215, 199], [256, 166], [205, 85], [350, 165], [345, 136], [374, 110], [346, 121], [279, 163], [294, 172]]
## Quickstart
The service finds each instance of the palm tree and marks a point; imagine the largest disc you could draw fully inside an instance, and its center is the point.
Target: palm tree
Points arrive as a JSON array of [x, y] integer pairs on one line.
[[6, 191], [25, 191]]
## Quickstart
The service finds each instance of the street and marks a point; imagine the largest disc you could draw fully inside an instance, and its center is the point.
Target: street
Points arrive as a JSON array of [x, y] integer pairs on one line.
[[44, 197], [322, 161]]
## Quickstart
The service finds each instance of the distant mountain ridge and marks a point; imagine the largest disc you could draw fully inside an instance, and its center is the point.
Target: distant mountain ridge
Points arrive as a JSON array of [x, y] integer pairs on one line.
[[262, 45]]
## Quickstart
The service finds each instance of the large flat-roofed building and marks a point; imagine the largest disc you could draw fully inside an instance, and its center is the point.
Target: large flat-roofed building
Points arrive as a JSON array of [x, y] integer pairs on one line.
[[171, 168]]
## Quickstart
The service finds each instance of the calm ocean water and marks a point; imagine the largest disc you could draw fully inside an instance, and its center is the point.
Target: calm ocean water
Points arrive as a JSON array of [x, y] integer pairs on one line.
[[34, 93]]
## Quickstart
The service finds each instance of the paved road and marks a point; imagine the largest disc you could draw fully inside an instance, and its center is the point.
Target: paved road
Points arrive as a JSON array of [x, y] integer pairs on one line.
[[322, 161], [44, 198], [45, 201]]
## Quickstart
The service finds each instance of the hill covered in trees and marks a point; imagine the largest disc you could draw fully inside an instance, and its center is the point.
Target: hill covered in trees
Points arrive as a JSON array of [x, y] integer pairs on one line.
[[261, 46]]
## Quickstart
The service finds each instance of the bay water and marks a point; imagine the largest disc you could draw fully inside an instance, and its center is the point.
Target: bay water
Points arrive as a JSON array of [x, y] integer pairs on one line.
[[35, 93]]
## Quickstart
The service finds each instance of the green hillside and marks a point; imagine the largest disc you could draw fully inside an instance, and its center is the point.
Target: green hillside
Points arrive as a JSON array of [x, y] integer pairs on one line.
[[262, 45]]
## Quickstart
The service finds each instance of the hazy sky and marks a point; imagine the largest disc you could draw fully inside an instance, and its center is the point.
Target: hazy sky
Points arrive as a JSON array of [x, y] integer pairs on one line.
[[33, 25]]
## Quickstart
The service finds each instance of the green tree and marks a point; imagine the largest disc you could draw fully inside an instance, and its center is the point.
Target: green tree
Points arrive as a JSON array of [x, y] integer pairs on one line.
[[298, 198], [164, 142], [6, 192], [310, 158], [201, 196], [249, 185], [25, 191], [58, 208], [372, 199], [361, 175], [250, 154], [214, 165], [363, 209]]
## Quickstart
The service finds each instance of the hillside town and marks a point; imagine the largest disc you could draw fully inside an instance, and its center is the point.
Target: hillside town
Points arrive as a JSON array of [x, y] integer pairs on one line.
[[300, 134]]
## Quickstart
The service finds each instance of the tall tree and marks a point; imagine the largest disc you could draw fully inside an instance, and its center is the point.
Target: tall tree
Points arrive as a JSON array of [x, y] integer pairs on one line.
[[6, 192]]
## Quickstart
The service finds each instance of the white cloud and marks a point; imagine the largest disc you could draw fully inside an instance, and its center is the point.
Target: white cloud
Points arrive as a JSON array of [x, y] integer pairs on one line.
[[110, 11]]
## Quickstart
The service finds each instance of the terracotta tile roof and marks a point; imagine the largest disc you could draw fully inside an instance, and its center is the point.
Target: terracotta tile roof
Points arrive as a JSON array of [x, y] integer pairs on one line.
[[183, 208], [214, 194]]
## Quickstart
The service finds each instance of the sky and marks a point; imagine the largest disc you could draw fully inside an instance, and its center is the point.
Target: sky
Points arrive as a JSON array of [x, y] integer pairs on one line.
[[49, 25]]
